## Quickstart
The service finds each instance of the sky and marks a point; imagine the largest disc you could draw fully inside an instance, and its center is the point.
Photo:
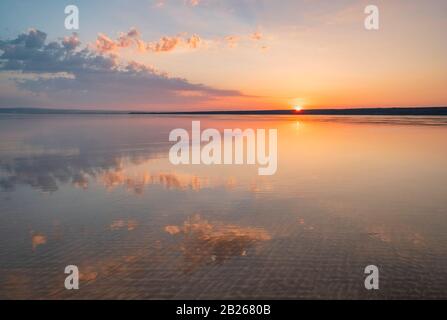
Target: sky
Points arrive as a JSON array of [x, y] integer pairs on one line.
[[222, 54]]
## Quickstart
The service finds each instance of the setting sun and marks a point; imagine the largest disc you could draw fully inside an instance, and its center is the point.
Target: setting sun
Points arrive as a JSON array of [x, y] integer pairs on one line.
[[298, 108]]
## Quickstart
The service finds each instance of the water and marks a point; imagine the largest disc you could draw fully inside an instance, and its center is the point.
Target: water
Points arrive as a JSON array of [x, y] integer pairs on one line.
[[99, 192]]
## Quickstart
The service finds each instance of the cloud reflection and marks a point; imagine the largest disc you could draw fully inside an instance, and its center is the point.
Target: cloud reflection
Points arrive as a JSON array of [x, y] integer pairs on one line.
[[130, 224], [137, 182], [47, 173], [38, 239], [213, 243]]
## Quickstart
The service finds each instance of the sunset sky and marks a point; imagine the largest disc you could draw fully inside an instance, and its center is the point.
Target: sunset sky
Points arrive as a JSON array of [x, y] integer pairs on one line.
[[216, 54]]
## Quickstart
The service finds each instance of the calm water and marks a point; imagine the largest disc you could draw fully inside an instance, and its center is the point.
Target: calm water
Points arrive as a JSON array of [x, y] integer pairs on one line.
[[99, 192]]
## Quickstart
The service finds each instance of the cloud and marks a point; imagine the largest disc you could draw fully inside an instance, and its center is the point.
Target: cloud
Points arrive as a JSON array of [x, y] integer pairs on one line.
[[193, 3], [165, 44], [71, 42], [69, 75], [159, 4], [105, 44], [33, 39], [194, 41], [132, 39], [232, 41], [189, 3], [256, 36]]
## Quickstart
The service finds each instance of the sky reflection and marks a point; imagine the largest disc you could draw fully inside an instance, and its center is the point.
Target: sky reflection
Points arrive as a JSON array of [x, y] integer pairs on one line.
[[346, 194]]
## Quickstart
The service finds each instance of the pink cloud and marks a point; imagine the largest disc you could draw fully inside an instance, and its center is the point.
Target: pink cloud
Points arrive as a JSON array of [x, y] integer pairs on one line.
[[71, 42], [232, 41], [194, 41], [165, 44], [132, 39], [193, 3], [105, 44], [256, 36]]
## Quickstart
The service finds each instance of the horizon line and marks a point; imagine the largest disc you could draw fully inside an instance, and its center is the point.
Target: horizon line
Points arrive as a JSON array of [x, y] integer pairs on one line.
[[437, 110]]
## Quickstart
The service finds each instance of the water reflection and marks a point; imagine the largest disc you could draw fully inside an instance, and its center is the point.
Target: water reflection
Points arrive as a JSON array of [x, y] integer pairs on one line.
[[38, 239], [124, 224], [204, 243], [137, 182], [48, 173], [49, 152], [100, 193]]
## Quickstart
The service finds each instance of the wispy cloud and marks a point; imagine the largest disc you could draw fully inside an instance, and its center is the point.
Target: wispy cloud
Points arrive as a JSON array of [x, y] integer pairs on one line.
[[193, 3], [133, 40]]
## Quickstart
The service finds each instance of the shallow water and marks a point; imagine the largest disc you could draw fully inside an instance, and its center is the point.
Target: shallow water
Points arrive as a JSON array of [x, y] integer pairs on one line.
[[99, 192]]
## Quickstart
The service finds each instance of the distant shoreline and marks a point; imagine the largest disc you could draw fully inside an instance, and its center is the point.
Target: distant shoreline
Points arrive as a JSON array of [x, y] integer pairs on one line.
[[416, 111], [428, 111]]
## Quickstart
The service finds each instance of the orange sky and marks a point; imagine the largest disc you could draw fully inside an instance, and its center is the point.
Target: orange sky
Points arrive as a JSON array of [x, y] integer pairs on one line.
[[241, 55]]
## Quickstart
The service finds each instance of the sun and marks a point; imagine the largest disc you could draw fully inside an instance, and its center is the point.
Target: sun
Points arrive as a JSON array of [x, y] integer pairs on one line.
[[298, 108]]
